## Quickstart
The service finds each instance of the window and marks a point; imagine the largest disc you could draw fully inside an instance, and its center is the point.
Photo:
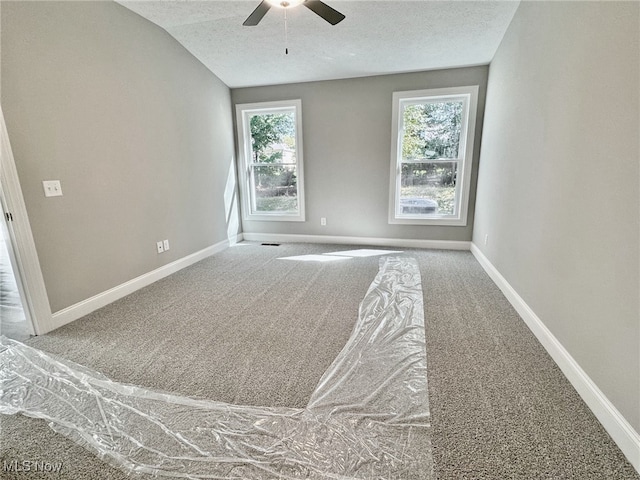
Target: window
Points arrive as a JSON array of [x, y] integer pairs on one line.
[[270, 139], [432, 149]]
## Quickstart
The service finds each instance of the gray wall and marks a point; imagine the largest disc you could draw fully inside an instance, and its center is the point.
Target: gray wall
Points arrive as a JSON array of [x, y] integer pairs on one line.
[[347, 152], [558, 181], [137, 130]]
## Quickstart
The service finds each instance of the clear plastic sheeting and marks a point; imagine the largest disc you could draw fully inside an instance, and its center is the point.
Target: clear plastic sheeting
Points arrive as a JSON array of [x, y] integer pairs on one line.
[[367, 419]]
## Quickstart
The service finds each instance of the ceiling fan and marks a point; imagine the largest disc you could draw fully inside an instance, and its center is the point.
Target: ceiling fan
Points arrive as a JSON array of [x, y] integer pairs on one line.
[[316, 6]]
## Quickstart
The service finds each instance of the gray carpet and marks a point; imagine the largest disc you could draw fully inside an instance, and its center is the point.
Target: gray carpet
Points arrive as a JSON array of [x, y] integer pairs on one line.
[[244, 327]]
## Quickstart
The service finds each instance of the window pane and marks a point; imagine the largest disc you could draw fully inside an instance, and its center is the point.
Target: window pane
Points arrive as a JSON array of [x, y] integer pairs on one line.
[[273, 137], [431, 130], [275, 188], [428, 188]]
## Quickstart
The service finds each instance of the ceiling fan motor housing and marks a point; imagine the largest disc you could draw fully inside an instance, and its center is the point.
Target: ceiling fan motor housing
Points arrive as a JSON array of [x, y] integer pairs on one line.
[[285, 3], [318, 7]]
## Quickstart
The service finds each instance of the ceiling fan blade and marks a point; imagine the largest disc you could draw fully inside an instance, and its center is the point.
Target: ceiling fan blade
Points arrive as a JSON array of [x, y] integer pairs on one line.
[[255, 17], [331, 15]]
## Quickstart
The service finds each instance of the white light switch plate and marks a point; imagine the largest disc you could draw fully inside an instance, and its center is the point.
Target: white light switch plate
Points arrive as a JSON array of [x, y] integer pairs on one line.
[[52, 188]]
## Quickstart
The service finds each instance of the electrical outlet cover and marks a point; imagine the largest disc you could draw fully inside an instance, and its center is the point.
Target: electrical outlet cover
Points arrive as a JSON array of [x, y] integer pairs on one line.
[[52, 188]]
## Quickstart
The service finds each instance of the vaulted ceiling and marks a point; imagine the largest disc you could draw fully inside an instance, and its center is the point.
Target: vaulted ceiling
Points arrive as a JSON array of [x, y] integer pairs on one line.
[[377, 37]]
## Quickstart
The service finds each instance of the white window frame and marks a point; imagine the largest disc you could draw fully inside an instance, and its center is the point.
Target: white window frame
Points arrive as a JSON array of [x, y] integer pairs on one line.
[[243, 113], [469, 95]]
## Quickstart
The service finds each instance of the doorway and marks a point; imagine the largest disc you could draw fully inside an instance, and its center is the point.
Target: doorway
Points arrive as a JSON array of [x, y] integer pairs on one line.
[[24, 305], [13, 317]]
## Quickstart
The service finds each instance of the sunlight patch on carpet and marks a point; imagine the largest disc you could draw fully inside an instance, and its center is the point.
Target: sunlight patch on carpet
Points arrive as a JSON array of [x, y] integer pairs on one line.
[[363, 252], [312, 258], [343, 255]]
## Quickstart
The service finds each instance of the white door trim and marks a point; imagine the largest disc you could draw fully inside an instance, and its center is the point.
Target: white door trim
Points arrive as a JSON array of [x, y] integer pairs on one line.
[[35, 300]]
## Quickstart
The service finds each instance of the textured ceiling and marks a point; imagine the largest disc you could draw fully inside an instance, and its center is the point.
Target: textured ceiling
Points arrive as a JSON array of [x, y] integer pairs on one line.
[[377, 37]]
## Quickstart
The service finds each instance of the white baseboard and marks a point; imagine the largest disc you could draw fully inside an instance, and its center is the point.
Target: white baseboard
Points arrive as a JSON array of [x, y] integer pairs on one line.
[[371, 241], [627, 439], [80, 309]]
